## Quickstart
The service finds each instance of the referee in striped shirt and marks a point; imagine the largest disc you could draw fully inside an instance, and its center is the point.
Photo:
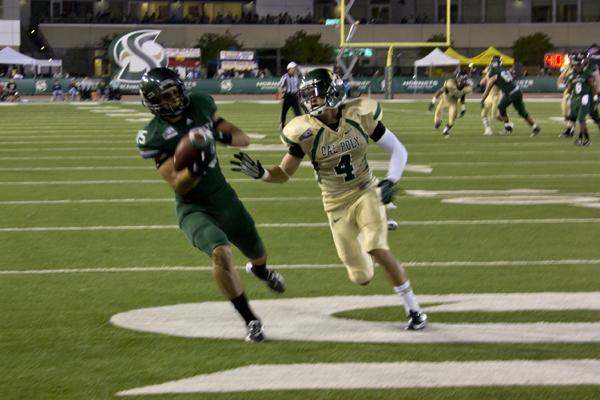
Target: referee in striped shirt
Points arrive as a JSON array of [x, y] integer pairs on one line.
[[288, 90]]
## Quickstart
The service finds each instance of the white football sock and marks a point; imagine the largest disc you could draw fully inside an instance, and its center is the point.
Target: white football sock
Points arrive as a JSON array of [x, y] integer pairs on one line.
[[486, 123], [408, 297]]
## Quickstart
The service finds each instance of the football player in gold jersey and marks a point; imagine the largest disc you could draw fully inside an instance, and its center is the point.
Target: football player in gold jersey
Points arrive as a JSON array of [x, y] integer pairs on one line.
[[489, 110], [334, 134], [565, 70], [454, 89]]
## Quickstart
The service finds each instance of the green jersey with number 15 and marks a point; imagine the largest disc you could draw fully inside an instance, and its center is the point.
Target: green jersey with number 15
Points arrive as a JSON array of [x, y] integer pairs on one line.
[[160, 138]]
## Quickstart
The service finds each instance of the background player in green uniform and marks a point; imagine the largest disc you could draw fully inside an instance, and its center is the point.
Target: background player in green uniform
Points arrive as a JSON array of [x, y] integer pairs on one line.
[[581, 87], [208, 209], [511, 94]]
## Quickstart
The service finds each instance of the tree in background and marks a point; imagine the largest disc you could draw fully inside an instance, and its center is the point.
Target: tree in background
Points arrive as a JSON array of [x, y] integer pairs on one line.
[[211, 44], [438, 37], [306, 49], [530, 50]]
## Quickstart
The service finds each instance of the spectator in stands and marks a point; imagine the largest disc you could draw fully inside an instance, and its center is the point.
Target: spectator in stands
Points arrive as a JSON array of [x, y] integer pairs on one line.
[[57, 91], [12, 93], [114, 91], [102, 90], [85, 88], [73, 90]]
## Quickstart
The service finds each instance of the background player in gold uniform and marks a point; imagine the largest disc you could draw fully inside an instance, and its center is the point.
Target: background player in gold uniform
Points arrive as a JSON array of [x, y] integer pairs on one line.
[[453, 90], [334, 134], [565, 70], [490, 106]]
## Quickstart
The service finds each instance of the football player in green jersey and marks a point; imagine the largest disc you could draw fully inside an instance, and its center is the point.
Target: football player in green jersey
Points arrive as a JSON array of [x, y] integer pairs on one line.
[[335, 134], [208, 209], [511, 94], [582, 88]]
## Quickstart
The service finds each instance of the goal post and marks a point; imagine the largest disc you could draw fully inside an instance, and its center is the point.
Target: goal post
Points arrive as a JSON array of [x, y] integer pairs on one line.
[[389, 68]]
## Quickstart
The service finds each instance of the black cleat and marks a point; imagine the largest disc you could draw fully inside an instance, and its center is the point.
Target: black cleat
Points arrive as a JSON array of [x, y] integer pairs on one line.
[[274, 279], [567, 133], [255, 333], [586, 142], [536, 131], [508, 129], [417, 320]]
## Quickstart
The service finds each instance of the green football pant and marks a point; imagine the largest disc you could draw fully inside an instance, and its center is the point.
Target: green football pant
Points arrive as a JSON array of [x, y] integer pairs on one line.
[[580, 111], [225, 220], [516, 99]]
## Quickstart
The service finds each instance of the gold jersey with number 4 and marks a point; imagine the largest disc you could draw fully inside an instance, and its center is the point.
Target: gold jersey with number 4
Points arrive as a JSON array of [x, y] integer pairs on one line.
[[339, 157]]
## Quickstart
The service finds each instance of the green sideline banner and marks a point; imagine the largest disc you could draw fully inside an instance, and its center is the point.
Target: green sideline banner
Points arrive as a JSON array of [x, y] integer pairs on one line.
[[30, 87]]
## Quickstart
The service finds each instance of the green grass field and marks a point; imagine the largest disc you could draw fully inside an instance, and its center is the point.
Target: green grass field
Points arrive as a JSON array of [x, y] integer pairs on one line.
[[77, 203]]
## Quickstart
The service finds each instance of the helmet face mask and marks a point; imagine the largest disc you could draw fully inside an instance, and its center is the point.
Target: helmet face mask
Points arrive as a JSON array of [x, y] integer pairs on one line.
[[579, 62], [461, 79], [320, 90], [163, 92], [496, 62]]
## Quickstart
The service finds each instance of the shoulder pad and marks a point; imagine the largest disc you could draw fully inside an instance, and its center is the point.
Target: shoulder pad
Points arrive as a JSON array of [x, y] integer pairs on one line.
[[365, 107], [297, 130]]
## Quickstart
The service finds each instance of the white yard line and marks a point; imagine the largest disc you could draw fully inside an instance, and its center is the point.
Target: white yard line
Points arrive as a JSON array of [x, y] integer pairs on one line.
[[144, 200], [243, 180], [533, 221], [118, 181], [61, 158], [203, 268], [390, 375], [52, 142]]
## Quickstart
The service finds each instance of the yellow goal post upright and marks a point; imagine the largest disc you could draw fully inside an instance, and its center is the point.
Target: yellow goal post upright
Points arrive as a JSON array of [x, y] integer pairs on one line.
[[345, 42]]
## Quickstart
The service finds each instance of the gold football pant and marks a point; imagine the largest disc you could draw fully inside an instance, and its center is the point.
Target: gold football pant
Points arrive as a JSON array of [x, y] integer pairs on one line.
[[358, 229], [490, 106], [452, 107], [564, 105]]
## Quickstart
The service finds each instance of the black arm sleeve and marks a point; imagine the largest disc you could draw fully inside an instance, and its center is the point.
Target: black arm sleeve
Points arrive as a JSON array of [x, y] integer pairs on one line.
[[160, 159], [378, 132], [296, 151]]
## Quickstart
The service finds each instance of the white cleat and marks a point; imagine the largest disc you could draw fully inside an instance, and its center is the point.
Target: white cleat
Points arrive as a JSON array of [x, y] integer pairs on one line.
[[488, 132]]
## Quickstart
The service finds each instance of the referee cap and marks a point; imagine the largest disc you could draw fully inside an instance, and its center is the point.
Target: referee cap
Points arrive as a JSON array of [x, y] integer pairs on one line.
[[292, 65]]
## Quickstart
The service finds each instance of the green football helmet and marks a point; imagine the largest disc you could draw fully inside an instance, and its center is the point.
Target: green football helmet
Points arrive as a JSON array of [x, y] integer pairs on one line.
[[320, 90], [163, 92]]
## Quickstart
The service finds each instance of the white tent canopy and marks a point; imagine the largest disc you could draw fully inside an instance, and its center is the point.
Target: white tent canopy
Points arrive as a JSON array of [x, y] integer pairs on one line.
[[13, 57], [436, 58]]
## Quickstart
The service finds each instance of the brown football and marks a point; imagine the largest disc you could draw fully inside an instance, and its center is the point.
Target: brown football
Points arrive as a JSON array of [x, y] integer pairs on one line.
[[185, 154]]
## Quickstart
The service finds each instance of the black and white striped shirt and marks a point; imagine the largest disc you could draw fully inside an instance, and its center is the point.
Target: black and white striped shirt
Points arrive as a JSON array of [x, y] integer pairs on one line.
[[289, 84]]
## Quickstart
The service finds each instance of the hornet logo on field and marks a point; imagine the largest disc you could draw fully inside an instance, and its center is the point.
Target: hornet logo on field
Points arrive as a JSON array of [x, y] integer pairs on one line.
[[135, 53]]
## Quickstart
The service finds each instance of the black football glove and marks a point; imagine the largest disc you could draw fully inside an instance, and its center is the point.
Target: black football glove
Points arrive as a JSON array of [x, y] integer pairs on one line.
[[387, 191], [248, 166], [431, 106]]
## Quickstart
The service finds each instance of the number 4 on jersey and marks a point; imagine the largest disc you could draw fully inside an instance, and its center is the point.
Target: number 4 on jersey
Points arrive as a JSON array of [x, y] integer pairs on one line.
[[345, 167]]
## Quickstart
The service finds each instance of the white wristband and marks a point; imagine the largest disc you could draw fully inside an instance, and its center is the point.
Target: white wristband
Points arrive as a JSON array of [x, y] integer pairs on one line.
[[434, 99], [266, 175]]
